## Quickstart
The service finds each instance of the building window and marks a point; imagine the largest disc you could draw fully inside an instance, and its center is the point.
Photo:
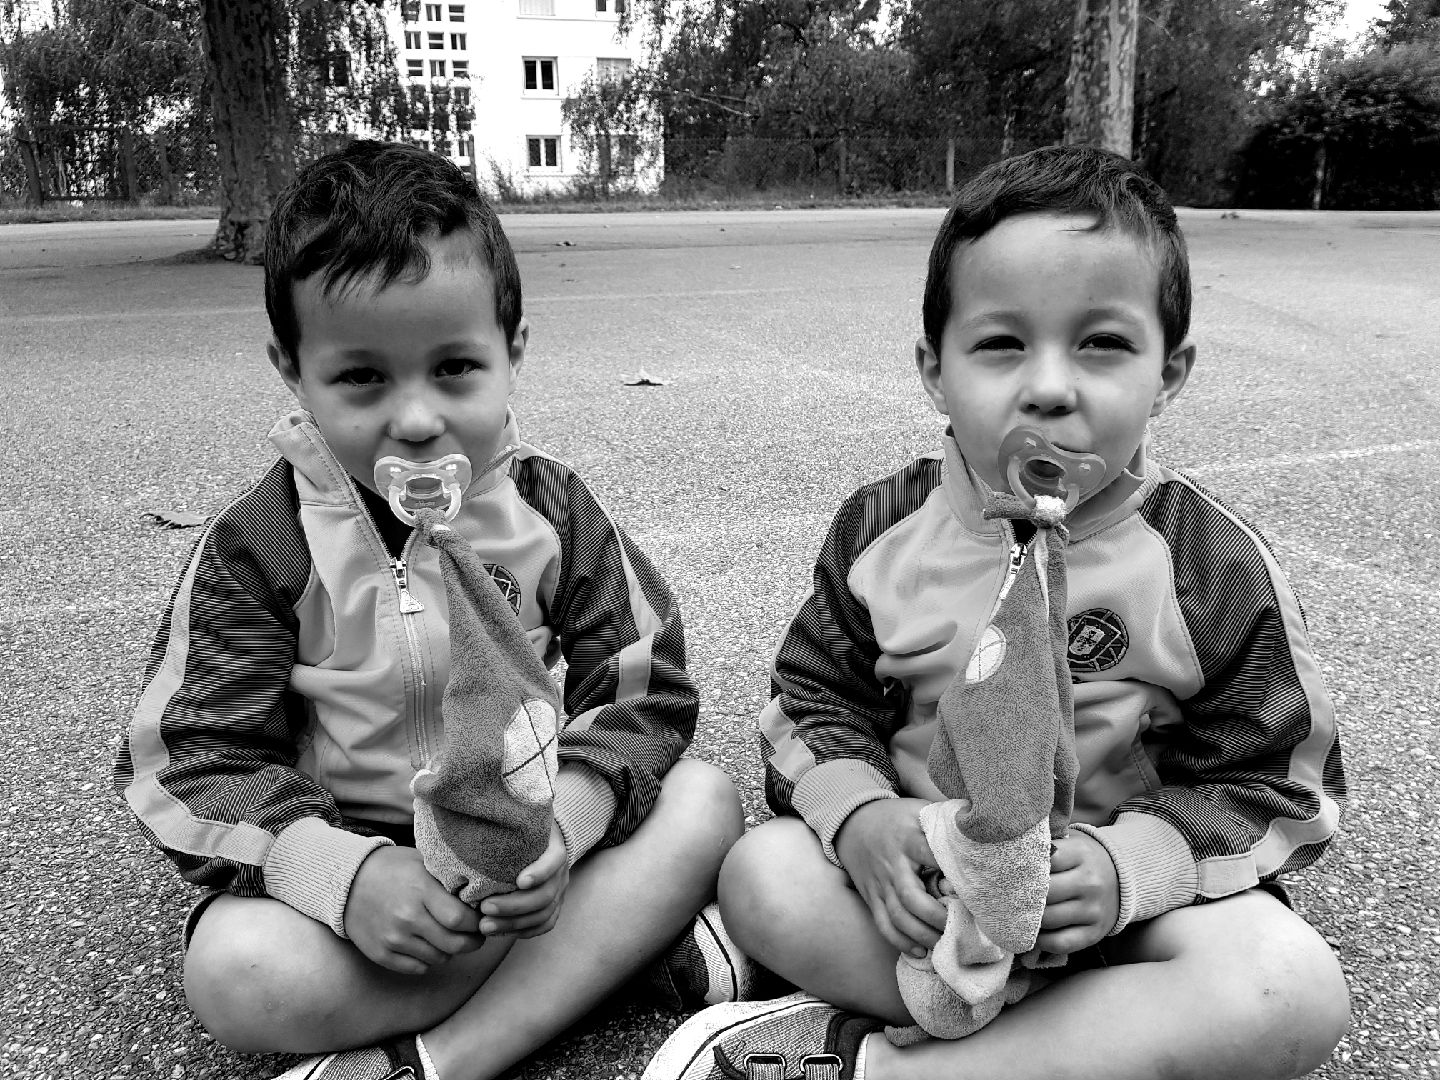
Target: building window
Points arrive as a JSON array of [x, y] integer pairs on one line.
[[457, 42], [412, 39], [460, 95], [437, 41], [537, 7], [543, 151], [457, 12], [462, 68], [618, 6], [540, 74], [335, 69], [432, 12], [415, 68], [410, 10], [437, 69], [608, 69]]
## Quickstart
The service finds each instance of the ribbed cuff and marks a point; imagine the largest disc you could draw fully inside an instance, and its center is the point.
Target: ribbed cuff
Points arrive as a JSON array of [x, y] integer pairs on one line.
[[311, 866], [584, 808], [829, 793], [1153, 864]]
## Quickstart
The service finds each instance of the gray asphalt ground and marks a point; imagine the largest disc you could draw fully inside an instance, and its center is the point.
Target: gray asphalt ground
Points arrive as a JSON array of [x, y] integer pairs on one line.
[[133, 383]]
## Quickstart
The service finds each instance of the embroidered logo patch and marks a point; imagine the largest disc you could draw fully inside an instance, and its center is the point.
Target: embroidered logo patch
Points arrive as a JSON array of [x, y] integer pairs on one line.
[[506, 582], [1098, 640]]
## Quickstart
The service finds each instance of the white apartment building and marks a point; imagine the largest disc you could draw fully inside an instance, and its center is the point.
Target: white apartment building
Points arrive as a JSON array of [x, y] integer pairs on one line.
[[513, 61]]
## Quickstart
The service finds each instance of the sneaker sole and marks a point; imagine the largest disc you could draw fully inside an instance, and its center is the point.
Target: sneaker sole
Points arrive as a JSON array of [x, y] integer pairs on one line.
[[694, 1041]]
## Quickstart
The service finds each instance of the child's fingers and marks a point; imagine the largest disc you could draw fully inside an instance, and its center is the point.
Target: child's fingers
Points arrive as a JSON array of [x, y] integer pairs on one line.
[[526, 924], [912, 935], [924, 908], [452, 914], [551, 862]]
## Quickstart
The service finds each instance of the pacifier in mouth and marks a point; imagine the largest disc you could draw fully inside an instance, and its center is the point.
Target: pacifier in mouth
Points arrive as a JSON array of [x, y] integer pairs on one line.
[[412, 486], [1032, 466]]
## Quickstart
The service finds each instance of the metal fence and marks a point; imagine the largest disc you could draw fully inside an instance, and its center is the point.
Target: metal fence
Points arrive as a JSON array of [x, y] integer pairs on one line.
[[57, 162], [839, 165]]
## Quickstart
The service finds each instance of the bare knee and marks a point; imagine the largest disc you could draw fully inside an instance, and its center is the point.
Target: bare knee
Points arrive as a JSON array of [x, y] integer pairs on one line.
[[765, 888], [699, 810], [1271, 983], [250, 974], [1297, 995]]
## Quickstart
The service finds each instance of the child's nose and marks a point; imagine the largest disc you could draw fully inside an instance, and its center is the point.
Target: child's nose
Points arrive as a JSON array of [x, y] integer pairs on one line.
[[415, 419], [1050, 385]]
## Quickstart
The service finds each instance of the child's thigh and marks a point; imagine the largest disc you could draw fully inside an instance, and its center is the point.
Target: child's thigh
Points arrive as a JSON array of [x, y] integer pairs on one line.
[[263, 977], [1248, 950]]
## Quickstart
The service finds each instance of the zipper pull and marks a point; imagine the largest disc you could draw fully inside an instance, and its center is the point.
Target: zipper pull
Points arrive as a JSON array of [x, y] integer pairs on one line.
[[408, 604], [1017, 556]]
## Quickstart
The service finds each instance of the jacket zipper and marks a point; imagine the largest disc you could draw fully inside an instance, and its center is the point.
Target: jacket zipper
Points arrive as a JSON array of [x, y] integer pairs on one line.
[[1012, 571], [410, 605]]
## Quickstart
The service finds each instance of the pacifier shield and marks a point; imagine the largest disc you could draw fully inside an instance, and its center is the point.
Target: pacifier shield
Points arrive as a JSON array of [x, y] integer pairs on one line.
[[412, 486], [1032, 466]]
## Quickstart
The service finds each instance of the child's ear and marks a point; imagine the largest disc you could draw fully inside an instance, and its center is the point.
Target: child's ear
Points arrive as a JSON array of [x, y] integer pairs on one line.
[[517, 347], [1173, 377], [927, 360], [281, 362]]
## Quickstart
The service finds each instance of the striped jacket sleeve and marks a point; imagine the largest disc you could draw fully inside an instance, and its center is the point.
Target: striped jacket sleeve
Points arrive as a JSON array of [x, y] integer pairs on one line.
[[1253, 780], [208, 764], [824, 734], [631, 702]]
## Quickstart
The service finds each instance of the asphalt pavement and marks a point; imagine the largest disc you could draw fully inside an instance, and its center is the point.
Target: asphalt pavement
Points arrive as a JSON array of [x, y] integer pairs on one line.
[[135, 384]]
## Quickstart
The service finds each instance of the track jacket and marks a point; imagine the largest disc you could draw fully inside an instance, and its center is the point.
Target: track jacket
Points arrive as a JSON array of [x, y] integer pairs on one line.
[[297, 674], [1208, 752]]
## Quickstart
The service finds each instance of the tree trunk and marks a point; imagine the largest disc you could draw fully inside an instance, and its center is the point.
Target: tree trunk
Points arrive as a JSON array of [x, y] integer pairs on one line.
[[1100, 87], [254, 148]]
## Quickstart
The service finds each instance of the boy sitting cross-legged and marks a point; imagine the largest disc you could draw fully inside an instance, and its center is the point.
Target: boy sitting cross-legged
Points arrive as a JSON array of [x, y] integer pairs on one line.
[[1156, 737], [424, 860]]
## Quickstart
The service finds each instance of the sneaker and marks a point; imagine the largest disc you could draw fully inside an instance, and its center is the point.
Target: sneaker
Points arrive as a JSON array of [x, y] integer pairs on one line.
[[703, 966], [791, 1038], [395, 1060]]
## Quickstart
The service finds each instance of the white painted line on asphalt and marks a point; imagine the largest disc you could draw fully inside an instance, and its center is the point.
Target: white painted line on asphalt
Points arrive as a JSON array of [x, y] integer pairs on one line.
[[1289, 461]]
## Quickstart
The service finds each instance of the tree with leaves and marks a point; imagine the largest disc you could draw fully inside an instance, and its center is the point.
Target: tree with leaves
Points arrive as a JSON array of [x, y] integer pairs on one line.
[[1359, 133]]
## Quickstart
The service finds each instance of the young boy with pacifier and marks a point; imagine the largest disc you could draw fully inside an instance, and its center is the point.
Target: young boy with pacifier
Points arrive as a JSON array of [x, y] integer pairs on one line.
[[424, 859], [1047, 731]]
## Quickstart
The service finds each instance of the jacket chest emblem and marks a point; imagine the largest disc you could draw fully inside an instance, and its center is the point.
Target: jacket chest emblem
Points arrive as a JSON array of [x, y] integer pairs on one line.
[[1098, 640]]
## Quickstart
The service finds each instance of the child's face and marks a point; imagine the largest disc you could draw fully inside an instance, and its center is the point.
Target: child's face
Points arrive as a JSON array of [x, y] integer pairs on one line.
[[1054, 328], [418, 370]]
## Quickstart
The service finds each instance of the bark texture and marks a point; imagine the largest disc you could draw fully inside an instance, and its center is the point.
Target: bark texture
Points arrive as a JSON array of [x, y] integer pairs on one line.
[[243, 43], [1100, 88]]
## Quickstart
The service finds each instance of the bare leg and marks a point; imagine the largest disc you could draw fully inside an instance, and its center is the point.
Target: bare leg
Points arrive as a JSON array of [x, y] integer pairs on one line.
[[794, 911], [261, 977], [1240, 988]]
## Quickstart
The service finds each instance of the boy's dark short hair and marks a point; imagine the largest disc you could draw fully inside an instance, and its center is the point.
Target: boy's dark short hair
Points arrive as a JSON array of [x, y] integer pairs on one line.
[[367, 209], [1066, 180]]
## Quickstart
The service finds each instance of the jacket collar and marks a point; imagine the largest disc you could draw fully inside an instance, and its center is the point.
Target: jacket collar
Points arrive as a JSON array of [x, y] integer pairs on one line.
[[966, 492], [299, 441]]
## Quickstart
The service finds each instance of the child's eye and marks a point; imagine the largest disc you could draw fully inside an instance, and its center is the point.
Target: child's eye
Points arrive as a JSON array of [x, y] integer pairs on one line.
[[449, 369], [1107, 342], [359, 377], [1000, 343]]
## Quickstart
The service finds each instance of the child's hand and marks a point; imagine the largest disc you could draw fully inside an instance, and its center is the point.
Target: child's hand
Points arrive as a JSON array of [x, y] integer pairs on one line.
[[1084, 898], [535, 906], [402, 918], [883, 848]]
